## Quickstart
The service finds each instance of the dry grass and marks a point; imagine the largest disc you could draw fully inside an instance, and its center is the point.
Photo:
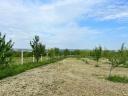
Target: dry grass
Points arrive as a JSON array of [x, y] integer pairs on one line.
[[69, 77]]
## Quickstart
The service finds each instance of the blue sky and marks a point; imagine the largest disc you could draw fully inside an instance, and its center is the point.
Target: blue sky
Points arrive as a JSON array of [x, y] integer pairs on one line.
[[72, 24]]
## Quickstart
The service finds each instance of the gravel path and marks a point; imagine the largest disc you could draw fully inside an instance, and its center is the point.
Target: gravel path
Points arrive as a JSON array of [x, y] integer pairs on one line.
[[69, 77]]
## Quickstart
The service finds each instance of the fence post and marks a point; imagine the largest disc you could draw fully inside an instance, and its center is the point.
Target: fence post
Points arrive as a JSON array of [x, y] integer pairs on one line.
[[41, 58], [33, 58], [47, 56], [22, 57]]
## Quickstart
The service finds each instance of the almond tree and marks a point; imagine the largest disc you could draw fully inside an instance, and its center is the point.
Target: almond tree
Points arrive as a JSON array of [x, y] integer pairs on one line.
[[51, 53], [117, 58], [66, 52], [38, 48], [97, 53], [57, 52], [5, 50]]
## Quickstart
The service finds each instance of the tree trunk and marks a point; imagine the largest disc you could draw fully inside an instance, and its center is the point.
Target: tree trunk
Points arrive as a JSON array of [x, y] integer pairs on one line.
[[41, 58], [33, 58], [110, 71], [97, 64], [37, 60]]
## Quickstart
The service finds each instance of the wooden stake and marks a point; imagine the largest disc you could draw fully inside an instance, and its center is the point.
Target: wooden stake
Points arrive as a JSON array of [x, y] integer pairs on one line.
[[41, 58], [33, 59], [22, 57]]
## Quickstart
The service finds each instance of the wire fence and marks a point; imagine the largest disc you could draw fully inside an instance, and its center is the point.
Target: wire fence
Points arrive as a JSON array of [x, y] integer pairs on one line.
[[22, 58]]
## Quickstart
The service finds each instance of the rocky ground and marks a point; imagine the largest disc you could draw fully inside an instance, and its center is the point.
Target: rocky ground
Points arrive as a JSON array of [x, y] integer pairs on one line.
[[69, 77]]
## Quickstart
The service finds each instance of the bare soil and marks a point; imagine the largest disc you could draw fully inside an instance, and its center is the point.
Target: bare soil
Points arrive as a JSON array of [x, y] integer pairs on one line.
[[70, 77]]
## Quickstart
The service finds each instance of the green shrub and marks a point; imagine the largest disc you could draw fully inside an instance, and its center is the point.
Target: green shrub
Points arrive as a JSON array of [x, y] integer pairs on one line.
[[117, 58], [117, 78], [97, 54], [5, 50], [84, 60], [38, 48]]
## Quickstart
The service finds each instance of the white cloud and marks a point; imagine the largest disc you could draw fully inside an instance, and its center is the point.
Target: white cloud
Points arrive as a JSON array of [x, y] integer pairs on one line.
[[112, 10], [55, 22]]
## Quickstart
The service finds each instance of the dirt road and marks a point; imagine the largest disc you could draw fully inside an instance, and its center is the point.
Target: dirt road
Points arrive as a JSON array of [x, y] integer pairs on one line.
[[70, 77]]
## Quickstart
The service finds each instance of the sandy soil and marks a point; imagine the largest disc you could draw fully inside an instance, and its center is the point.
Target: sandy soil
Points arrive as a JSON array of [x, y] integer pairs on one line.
[[69, 77]]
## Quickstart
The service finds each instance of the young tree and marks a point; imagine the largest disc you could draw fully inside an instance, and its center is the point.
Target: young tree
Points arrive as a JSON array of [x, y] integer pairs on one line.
[[76, 52], [38, 48], [57, 51], [114, 61], [5, 50], [123, 54], [51, 53], [97, 54], [43, 51], [117, 58], [66, 52]]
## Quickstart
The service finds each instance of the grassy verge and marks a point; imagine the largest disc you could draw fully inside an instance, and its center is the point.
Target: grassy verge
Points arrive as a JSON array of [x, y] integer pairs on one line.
[[119, 79], [12, 70]]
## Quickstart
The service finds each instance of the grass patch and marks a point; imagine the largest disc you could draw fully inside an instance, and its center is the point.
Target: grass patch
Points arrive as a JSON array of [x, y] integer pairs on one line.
[[15, 69], [119, 79]]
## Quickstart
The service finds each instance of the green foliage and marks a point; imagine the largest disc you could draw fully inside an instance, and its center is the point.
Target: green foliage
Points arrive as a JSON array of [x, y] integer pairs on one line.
[[116, 78], [117, 58], [54, 52], [122, 55], [97, 53], [85, 60], [57, 51], [38, 48], [85, 53], [66, 52], [26, 54], [125, 65], [5, 50], [76, 52], [51, 53]]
